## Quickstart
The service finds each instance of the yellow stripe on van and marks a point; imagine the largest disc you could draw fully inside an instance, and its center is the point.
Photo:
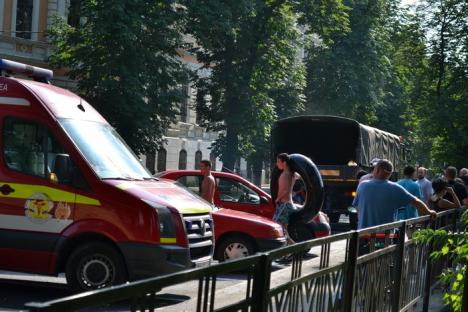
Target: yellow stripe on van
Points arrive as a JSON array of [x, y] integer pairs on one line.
[[193, 210], [124, 186], [24, 191], [168, 240]]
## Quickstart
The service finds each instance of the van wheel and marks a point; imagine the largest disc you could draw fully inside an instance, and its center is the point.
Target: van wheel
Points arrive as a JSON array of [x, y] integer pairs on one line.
[[234, 247], [94, 266]]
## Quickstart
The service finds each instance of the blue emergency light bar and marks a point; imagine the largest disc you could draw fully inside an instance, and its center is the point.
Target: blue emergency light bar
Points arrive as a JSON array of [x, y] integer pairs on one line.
[[40, 74]]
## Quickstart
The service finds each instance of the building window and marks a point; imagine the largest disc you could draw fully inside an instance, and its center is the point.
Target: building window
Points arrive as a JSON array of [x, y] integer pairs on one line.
[[24, 13], [213, 160], [198, 158], [150, 162], [74, 13], [183, 159], [162, 154]]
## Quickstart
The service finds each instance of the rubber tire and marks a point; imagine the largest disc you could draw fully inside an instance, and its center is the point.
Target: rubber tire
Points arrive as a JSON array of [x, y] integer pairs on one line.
[[88, 251], [309, 173], [300, 232], [234, 239]]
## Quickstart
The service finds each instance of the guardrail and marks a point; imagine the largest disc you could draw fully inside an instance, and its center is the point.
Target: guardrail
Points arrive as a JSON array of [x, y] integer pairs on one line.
[[380, 268]]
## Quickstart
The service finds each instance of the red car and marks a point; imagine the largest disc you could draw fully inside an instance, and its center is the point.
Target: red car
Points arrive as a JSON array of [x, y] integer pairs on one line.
[[239, 234], [236, 193]]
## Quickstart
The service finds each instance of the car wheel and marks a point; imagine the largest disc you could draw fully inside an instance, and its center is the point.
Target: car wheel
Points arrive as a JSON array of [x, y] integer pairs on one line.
[[234, 247], [94, 266]]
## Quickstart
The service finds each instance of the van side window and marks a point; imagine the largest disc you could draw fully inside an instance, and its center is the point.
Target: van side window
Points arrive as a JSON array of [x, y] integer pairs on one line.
[[29, 147]]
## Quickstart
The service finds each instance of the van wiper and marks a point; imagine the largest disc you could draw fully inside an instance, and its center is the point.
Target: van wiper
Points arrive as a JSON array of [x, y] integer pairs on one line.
[[151, 178], [122, 178]]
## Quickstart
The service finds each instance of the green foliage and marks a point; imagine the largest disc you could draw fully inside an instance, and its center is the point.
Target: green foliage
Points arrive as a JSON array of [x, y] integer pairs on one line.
[[444, 111], [455, 247], [251, 49], [123, 56]]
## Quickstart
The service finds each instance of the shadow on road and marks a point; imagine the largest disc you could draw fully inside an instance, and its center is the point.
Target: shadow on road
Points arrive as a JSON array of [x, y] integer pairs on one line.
[[14, 294]]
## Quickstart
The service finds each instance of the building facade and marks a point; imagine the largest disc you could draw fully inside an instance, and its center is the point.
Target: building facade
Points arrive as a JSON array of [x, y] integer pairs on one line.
[[23, 28]]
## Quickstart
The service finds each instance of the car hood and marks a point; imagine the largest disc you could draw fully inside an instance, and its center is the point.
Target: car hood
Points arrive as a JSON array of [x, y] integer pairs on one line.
[[164, 193], [242, 216]]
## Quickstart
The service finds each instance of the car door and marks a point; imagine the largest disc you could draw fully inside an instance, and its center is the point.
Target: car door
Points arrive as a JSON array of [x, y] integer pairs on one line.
[[235, 195], [35, 207]]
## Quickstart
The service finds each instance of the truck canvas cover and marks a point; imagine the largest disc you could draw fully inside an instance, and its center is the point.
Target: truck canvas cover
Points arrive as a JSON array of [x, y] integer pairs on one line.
[[332, 140]]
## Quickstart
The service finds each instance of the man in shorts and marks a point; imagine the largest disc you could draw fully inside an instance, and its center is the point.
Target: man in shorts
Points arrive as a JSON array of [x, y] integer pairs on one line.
[[284, 202]]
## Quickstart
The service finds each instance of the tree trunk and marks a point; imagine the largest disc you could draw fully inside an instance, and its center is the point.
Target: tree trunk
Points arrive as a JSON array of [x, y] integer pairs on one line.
[[257, 167], [231, 151]]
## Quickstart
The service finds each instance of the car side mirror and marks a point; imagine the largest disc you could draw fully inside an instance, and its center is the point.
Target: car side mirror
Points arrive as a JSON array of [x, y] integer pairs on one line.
[[263, 200], [61, 169]]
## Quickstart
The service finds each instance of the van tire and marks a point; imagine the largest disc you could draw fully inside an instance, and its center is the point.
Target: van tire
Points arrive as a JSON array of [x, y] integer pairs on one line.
[[93, 266], [234, 247]]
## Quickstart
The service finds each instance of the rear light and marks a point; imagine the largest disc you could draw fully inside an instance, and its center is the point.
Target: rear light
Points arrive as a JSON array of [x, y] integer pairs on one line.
[[352, 194]]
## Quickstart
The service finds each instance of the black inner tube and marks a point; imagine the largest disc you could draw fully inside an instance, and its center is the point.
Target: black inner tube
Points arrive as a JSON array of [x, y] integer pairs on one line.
[[313, 183]]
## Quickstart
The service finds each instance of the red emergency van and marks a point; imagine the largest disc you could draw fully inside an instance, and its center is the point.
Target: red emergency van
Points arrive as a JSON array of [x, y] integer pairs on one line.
[[75, 199]]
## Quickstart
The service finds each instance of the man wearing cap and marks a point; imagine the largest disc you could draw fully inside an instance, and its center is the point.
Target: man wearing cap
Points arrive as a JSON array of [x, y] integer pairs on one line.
[[370, 175], [379, 199]]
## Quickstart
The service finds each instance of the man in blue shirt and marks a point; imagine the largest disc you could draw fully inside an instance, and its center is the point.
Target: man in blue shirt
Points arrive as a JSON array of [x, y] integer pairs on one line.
[[408, 211], [379, 199]]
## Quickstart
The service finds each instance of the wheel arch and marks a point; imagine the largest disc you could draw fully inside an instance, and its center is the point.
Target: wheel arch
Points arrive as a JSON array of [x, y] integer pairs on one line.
[[68, 244]]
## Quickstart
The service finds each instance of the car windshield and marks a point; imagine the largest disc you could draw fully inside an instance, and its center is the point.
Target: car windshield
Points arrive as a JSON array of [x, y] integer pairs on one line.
[[105, 150]]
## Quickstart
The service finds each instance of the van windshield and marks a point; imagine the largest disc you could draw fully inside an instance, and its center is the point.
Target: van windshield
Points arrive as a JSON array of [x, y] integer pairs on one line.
[[104, 150]]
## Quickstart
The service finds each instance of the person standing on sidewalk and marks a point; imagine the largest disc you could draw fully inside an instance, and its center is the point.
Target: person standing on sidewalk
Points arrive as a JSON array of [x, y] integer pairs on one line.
[[425, 185], [284, 202], [378, 199], [408, 211]]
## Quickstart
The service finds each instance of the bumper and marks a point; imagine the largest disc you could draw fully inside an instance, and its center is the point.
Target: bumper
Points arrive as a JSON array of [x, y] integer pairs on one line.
[[147, 260], [265, 244]]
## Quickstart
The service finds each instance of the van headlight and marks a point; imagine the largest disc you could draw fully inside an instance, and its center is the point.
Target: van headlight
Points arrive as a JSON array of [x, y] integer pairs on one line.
[[167, 228]]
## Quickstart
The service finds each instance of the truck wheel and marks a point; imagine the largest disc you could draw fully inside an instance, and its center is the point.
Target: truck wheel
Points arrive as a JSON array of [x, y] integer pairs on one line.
[[334, 217], [234, 247], [94, 266]]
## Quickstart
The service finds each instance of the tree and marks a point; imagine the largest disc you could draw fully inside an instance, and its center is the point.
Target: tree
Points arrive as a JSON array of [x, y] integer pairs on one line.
[[345, 75], [454, 246], [124, 58], [441, 128], [249, 48]]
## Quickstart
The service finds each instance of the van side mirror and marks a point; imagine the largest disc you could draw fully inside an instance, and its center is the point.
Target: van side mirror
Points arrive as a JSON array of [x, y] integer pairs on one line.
[[61, 169], [263, 200]]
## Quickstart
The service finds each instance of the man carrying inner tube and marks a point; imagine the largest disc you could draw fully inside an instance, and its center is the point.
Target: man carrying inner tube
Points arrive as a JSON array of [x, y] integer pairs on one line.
[[284, 202]]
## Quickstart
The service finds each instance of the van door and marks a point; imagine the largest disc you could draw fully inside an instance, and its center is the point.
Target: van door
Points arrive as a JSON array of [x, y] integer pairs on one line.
[[35, 205]]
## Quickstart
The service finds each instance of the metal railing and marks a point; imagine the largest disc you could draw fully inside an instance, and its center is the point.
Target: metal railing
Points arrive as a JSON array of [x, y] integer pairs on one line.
[[379, 268]]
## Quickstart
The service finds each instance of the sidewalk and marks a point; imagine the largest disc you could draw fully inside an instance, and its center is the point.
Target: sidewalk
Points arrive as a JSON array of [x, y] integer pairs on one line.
[[436, 303]]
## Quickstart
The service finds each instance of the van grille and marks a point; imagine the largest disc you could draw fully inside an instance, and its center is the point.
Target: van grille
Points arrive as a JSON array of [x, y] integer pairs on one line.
[[200, 235]]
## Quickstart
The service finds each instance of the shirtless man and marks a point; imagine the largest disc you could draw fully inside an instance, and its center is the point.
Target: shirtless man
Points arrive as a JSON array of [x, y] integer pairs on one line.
[[207, 188], [284, 202]]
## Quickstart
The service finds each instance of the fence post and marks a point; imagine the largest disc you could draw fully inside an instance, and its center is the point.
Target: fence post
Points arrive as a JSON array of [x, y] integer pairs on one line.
[[261, 284], [348, 284], [400, 257], [427, 280]]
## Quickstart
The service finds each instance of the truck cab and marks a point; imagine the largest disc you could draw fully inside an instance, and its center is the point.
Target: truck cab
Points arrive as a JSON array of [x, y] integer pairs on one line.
[[74, 198]]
